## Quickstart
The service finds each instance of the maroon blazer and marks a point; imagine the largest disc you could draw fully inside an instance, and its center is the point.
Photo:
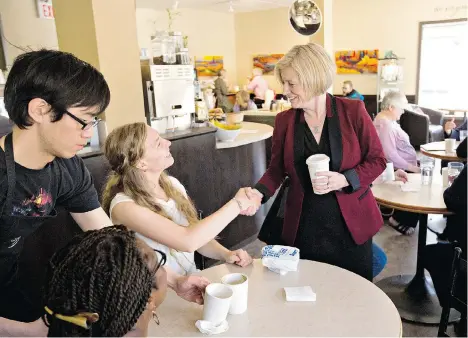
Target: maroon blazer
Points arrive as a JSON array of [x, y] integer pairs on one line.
[[356, 152]]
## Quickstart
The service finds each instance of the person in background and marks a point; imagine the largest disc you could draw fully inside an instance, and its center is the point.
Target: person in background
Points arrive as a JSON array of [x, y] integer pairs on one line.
[[336, 224], [142, 196], [398, 150], [243, 102], [452, 131], [258, 85], [221, 92], [351, 93], [437, 258]]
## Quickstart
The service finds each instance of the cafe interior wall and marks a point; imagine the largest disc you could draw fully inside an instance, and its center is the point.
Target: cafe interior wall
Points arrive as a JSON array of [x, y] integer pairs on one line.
[[390, 25], [209, 32]]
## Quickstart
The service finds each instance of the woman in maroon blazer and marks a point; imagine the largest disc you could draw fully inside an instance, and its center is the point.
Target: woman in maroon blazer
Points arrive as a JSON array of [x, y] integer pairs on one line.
[[336, 227]]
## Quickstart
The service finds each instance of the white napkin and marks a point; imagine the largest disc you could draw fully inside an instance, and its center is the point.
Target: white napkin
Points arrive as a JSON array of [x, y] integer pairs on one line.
[[411, 187], [209, 328], [300, 294]]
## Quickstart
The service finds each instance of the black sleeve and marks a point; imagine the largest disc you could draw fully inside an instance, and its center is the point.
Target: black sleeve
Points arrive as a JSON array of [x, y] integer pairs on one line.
[[455, 195], [353, 180], [77, 191], [461, 149]]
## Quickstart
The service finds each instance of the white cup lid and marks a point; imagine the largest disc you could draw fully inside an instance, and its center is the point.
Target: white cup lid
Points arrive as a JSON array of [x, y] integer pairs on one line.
[[317, 158]]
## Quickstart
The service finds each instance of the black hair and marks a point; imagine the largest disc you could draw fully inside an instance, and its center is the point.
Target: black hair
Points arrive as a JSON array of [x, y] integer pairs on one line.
[[59, 78], [101, 271]]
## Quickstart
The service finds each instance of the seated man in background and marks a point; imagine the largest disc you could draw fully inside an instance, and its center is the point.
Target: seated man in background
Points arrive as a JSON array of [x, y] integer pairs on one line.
[[350, 93], [452, 131]]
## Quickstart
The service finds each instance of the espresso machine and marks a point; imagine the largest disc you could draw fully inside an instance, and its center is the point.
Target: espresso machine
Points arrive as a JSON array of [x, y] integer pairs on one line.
[[169, 96]]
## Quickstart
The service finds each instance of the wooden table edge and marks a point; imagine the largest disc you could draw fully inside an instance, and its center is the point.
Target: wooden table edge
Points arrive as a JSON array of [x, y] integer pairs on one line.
[[418, 210], [441, 157]]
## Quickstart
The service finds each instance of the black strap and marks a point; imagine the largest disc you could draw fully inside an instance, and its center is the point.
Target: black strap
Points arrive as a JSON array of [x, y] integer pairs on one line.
[[11, 175]]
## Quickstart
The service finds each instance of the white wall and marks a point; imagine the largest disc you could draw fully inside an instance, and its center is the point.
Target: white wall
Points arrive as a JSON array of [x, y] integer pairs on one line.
[[387, 25]]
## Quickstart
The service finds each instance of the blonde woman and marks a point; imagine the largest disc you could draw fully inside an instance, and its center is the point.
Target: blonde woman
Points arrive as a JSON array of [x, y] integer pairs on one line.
[[140, 195], [243, 102], [332, 218]]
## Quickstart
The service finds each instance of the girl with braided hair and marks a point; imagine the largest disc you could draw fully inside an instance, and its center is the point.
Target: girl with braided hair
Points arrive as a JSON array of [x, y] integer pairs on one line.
[[103, 283], [140, 195]]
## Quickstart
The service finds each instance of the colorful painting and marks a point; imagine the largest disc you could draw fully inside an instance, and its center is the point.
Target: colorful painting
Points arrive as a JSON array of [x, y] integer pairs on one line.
[[357, 61], [209, 65], [266, 62]]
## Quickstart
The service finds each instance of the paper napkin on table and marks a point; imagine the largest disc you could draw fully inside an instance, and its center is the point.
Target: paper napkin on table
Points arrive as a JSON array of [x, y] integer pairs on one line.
[[411, 187], [209, 328], [300, 294]]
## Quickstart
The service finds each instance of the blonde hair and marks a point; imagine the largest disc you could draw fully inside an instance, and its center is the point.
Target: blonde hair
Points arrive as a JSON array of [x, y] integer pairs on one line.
[[313, 66], [348, 82], [124, 147], [242, 99]]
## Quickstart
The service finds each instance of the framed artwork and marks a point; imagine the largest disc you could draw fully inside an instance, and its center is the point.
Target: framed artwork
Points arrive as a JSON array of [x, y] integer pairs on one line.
[[266, 62], [209, 65], [357, 61]]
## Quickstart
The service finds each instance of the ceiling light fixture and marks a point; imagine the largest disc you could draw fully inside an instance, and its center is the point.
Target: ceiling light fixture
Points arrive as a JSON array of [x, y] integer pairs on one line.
[[175, 5], [231, 9]]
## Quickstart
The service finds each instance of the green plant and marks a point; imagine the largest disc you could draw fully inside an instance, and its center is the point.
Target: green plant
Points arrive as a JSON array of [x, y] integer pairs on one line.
[[171, 15]]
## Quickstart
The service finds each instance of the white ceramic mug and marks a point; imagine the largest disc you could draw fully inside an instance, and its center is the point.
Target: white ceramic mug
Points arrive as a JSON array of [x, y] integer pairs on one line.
[[317, 163], [450, 145], [217, 301], [239, 284]]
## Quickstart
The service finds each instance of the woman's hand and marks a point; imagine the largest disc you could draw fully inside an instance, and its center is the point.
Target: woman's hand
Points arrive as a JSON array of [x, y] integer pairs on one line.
[[329, 181], [239, 257], [249, 201], [401, 175], [414, 169]]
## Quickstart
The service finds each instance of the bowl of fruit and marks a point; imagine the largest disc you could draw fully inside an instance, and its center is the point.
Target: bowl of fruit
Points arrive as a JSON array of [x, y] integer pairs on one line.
[[226, 132]]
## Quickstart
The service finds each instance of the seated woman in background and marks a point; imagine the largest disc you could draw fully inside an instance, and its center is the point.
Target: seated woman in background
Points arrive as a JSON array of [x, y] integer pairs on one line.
[[140, 195], [398, 150], [104, 283], [243, 102]]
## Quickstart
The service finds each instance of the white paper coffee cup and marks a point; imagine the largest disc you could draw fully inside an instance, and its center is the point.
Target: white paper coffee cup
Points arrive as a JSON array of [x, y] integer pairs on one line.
[[239, 284], [317, 163], [450, 145], [217, 301], [390, 172]]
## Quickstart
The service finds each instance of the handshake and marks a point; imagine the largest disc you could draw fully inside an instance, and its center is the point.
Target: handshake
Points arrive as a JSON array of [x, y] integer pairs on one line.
[[249, 201]]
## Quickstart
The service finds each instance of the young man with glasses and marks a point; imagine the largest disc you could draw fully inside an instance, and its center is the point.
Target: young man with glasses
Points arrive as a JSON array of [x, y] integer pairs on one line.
[[53, 99]]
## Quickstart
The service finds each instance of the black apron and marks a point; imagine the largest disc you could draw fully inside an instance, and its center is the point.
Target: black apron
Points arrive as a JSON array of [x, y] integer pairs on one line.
[[15, 303]]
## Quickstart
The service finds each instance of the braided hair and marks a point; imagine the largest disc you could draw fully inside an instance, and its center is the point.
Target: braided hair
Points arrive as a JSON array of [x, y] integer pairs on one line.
[[100, 271]]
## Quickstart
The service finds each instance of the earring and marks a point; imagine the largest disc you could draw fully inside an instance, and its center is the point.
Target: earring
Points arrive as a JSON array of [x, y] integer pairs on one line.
[[155, 317]]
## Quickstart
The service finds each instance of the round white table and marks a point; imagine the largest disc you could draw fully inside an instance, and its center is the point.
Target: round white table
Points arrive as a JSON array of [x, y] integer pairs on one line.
[[346, 305], [437, 150], [414, 295]]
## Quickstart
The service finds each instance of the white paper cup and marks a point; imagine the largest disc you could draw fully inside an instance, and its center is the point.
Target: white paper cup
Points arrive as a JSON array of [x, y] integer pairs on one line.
[[318, 163], [216, 303], [390, 172], [445, 180], [450, 145], [239, 284]]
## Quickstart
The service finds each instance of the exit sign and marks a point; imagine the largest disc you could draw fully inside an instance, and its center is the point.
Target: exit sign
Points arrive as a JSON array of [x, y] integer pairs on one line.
[[45, 9]]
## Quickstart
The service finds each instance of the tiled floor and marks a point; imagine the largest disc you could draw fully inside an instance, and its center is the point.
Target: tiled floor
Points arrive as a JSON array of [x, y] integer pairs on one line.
[[401, 254]]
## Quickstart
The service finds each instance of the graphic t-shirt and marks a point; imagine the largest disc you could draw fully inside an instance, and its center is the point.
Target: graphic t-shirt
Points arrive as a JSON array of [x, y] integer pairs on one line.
[[62, 182]]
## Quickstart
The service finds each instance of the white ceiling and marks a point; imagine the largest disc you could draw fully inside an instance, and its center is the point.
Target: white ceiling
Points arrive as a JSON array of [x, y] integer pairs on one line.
[[216, 5]]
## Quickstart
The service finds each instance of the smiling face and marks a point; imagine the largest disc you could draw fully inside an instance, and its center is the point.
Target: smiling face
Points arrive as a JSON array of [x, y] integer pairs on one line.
[[293, 89], [157, 155]]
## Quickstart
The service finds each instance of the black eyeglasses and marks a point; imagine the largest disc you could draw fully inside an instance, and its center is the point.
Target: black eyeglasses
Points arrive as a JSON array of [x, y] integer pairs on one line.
[[85, 125], [161, 260]]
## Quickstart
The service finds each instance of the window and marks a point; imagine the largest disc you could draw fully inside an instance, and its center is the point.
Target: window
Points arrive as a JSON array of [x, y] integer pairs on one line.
[[443, 74]]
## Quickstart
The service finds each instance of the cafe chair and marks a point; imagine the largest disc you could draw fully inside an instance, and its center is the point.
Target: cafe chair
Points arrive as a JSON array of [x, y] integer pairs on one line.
[[457, 296], [272, 226]]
